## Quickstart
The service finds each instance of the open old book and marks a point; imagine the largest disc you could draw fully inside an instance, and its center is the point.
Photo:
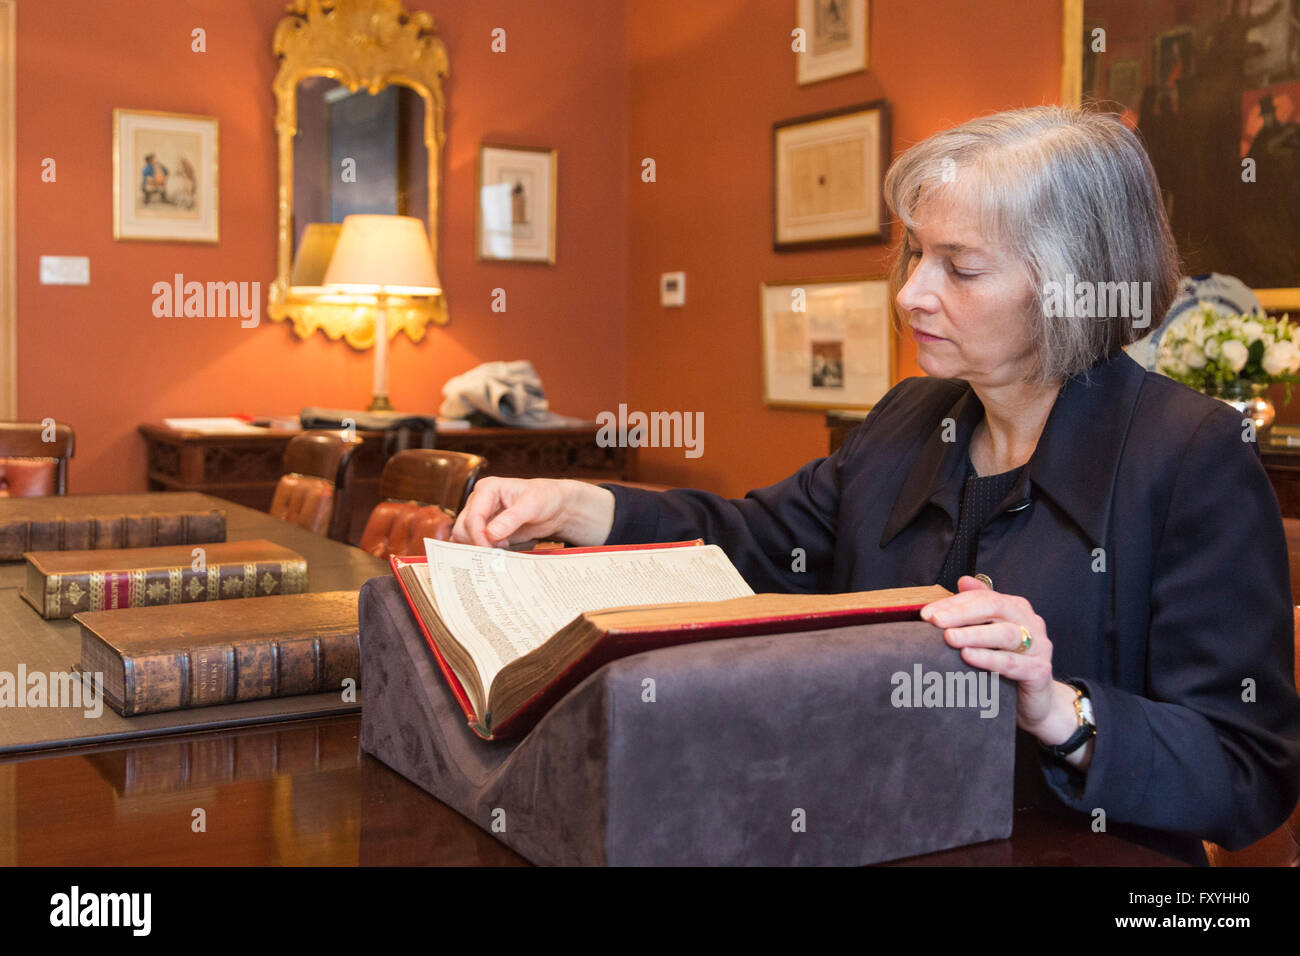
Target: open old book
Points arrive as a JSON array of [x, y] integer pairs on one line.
[[512, 632]]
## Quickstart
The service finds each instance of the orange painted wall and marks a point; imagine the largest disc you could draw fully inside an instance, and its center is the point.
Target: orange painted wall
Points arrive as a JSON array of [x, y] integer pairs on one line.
[[707, 80], [695, 86], [96, 357]]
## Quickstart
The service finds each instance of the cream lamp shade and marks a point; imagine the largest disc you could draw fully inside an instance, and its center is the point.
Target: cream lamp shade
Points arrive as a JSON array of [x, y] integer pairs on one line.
[[383, 255], [315, 248]]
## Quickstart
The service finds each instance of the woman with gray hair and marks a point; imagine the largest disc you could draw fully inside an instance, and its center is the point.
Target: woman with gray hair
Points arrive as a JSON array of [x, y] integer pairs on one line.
[[1111, 536]]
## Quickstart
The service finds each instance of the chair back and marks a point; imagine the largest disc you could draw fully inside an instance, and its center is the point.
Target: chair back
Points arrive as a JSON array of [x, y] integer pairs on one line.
[[315, 490], [431, 476], [400, 527], [424, 488], [31, 465]]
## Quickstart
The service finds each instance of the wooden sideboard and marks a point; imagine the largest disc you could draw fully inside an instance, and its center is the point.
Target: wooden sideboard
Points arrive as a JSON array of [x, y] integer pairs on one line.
[[245, 468], [1281, 462]]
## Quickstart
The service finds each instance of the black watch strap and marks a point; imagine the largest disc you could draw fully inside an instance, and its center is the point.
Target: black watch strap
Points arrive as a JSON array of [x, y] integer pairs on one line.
[[1077, 739]]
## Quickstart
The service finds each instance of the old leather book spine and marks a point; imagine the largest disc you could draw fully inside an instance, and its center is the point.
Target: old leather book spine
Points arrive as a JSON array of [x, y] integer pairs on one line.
[[70, 593], [279, 666], [100, 532]]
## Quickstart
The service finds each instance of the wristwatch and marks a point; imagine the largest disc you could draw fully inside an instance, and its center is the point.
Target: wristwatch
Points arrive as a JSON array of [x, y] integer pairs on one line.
[[1087, 725]]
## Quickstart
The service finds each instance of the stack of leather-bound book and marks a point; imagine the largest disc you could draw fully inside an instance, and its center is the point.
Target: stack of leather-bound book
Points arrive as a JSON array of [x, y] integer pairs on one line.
[[172, 615]]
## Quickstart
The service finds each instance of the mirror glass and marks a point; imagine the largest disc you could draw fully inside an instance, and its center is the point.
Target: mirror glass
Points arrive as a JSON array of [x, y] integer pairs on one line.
[[354, 152]]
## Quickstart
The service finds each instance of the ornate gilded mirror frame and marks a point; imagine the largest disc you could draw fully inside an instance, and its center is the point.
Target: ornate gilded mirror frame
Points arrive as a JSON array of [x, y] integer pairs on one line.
[[362, 44]]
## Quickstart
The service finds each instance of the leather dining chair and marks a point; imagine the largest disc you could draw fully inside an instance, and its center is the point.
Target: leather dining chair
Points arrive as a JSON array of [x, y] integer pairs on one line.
[[422, 489], [31, 466], [314, 492]]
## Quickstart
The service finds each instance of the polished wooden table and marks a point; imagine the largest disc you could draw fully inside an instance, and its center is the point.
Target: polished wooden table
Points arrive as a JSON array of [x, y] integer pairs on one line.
[[301, 792], [29, 642], [304, 794], [245, 468]]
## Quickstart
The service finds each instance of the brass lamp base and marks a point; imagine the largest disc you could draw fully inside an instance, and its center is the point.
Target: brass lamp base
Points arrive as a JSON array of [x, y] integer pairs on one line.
[[380, 403]]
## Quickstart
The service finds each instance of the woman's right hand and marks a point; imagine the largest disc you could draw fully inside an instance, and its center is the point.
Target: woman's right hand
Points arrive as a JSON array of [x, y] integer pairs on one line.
[[505, 511]]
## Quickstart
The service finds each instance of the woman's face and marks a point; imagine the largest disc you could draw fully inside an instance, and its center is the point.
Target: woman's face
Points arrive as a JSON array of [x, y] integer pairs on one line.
[[966, 298]]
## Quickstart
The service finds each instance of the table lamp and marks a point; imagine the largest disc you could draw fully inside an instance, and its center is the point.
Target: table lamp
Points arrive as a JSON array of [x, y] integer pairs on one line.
[[382, 256]]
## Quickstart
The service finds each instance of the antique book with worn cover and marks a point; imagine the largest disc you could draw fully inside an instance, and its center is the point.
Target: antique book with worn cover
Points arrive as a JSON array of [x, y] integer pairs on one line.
[[99, 522], [62, 583], [513, 632], [197, 655]]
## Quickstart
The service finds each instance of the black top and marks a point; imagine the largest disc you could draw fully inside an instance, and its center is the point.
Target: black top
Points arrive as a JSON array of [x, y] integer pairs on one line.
[[980, 497], [1159, 635]]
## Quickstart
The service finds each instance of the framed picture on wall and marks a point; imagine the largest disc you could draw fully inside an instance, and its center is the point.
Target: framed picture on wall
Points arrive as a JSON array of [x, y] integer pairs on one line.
[[826, 176], [164, 176], [827, 343], [516, 203], [1213, 90], [835, 39]]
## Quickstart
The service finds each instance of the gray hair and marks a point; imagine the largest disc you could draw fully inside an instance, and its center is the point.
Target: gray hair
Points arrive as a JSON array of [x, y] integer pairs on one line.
[[1072, 194]]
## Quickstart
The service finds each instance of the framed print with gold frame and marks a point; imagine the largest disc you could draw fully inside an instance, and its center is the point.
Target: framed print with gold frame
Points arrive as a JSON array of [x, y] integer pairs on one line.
[[835, 39], [1213, 92], [827, 343], [827, 171], [516, 203], [165, 177]]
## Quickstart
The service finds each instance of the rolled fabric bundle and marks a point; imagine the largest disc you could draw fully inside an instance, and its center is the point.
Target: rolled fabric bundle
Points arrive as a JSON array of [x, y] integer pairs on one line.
[[507, 393]]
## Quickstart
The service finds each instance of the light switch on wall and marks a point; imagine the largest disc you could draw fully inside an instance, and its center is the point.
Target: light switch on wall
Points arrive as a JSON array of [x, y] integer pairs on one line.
[[672, 289], [65, 270]]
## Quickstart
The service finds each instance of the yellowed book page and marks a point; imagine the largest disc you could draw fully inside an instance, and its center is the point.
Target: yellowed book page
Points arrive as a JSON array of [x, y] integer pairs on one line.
[[501, 604]]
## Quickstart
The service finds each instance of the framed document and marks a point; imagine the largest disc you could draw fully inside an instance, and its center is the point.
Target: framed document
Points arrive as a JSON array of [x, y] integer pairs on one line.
[[516, 206], [827, 343], [164, 176], [1213, 90], [835, 39], [827, 171]]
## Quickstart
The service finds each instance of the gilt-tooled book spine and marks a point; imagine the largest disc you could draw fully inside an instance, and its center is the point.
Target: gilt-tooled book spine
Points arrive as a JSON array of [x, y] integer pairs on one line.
[[69, 594], [109, 531], [225, 674]]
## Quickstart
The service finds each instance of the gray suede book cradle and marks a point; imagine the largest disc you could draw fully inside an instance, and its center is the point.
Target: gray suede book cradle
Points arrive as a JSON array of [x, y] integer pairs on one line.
[[847, 746]]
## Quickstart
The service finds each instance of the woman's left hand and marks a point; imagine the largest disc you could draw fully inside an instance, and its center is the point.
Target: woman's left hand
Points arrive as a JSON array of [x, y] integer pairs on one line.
[[985, 626]]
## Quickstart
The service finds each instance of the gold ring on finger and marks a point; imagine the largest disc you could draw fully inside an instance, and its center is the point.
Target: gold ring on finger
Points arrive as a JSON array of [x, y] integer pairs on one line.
[[1026, 640]]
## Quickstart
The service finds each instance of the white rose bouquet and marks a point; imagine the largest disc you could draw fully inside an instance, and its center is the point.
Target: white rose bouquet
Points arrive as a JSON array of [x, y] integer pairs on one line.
[[1216, 353]]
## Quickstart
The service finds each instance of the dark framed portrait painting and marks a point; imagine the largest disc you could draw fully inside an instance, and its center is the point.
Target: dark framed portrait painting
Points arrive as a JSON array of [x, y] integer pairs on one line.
[[1213, 89]]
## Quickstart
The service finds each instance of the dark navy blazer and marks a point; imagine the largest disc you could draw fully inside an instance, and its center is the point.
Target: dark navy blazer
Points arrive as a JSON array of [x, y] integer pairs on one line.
[[1144, 532]]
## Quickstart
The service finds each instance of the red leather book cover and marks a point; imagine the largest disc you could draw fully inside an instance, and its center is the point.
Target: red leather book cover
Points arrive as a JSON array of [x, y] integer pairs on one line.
[[397, 561], [618, 643]]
